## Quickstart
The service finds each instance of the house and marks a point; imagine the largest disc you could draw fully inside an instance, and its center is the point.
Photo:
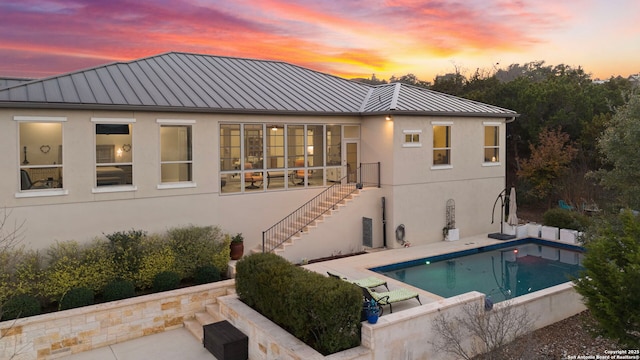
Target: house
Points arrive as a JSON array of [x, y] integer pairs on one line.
[[180, 138]]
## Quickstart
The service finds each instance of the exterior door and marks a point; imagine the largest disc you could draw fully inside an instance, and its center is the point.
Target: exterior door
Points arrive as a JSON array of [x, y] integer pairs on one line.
[[351, 159]]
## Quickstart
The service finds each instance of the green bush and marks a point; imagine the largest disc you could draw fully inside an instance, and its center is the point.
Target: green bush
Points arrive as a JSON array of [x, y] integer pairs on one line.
[[126, 249], [20, 273], [20, 306], [73, 265], [118, 290], [196, 246], [166, 280], [76, 297], [301, 301], [610, 283], [156, 257], [565, 219], [206, 274]]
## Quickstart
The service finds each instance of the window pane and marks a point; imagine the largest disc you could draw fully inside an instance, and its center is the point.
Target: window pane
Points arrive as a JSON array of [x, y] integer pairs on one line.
[[441, 157], [441, 137], [175, 143], [230, 147], [253, 145], [275, 146], [334, 144], [175, 172], [41, 143], [295, 144], [491, 155], [491, 136], [315, 146], [114, 175], [40, 155]]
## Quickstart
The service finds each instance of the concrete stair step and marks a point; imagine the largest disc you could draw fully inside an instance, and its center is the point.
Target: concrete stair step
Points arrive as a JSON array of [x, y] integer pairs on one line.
[[195, 328]]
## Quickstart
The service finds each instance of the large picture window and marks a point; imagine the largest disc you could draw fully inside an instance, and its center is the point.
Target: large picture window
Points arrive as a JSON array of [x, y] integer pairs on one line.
[[491, 143], [442, 144], [40, 153], [176, 162], [114, 152]]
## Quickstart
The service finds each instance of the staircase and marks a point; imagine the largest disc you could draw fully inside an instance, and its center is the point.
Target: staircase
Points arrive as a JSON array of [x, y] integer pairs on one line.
[[300, 221], [294, 230], [209, 316]]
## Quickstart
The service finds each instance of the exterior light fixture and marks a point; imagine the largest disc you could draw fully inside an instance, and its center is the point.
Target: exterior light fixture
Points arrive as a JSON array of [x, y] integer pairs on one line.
[[388, 118]]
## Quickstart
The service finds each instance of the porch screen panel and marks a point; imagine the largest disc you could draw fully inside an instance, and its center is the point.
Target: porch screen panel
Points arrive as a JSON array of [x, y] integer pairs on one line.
[[275, 146], [295, 145], [253, 151], [229, 147]]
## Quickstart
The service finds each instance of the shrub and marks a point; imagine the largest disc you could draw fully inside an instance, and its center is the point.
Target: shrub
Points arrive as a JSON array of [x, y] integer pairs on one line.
[[20, 306], [126, 246], [20, 273], [206, 274], [156, 257], [73, 266], [301, 301], [76, 297], [118, 289], [565, 219], [196, 246], [166, 280], [610, 283]]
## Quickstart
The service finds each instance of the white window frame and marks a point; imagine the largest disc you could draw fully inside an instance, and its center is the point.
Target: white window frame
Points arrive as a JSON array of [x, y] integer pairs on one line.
[[411, 144], [182, 184], [450, 148], [40, 192], [484, 146], [116, 188]]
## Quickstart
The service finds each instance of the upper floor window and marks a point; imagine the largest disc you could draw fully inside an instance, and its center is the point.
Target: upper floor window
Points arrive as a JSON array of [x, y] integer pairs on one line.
[[114, 151], [442, 144], [491, 143], [412, 138], [176, 160], [40, 154]]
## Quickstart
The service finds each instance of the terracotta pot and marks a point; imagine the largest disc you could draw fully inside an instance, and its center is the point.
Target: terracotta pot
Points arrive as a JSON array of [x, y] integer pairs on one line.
[[237, 250]]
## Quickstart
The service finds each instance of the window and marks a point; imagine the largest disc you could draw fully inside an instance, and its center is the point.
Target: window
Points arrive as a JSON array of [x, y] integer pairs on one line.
[[114, 152], [412, 138], [176, 162], [441, 144], [40, 155], [491, 143]]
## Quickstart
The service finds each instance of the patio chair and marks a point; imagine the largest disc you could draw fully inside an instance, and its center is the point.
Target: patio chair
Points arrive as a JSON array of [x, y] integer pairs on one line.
[[368, 282], [563, 205], [390, 297]]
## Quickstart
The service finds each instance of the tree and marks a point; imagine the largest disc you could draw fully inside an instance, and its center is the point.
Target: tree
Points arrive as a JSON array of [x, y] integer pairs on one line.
[[610, 283], [549, 161], [618, 146]]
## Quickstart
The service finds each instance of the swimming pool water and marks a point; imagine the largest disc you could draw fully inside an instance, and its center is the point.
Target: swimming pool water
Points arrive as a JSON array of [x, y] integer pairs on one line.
[[500, 271]]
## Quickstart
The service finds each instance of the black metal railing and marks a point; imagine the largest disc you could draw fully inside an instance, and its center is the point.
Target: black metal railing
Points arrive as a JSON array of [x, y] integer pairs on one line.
[[367, 175]]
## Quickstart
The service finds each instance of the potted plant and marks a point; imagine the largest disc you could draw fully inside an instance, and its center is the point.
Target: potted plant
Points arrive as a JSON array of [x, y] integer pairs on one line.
[[237, 246], [372, 311]]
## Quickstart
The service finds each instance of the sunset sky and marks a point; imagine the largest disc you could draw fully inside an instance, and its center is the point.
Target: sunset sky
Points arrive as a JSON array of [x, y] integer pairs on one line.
[[350, 38]]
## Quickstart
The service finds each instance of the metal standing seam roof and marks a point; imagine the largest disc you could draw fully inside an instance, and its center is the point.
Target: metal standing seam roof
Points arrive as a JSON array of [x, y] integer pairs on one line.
[[187, 82]]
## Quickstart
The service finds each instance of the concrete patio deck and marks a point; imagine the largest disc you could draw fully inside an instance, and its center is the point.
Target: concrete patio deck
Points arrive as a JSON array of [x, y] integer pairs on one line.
[[180, 344]]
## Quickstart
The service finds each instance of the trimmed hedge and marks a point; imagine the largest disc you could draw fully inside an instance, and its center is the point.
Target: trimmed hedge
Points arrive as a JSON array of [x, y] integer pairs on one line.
[[20, 306], [206, 274], [165, 281], [566, 219], [118, 290], [322, 312], [77, 297]]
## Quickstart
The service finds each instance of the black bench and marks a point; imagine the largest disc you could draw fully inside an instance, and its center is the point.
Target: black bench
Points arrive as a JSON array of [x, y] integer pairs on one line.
[[225, 342]]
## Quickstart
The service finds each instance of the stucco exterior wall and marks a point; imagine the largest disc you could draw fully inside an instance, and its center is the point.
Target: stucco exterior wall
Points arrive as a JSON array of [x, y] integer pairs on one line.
[[83, 214]]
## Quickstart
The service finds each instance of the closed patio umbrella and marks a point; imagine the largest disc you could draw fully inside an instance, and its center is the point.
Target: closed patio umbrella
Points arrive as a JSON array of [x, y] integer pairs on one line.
[[513, 218]]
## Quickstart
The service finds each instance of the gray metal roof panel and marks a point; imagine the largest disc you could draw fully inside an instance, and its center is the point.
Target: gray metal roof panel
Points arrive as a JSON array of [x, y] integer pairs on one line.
[[191, 82]]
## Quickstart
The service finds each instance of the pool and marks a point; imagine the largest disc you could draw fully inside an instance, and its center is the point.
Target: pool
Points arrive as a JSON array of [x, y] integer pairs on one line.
[[501, 271]]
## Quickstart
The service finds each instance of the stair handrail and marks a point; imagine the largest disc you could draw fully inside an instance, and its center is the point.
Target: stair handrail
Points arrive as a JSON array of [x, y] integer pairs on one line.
[[317, 206]]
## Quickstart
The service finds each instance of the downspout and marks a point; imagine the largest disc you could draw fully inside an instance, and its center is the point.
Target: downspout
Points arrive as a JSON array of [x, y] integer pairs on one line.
[[384, 224]]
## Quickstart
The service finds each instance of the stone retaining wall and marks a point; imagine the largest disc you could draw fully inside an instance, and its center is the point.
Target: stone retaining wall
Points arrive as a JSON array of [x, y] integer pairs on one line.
[[50, 336]]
